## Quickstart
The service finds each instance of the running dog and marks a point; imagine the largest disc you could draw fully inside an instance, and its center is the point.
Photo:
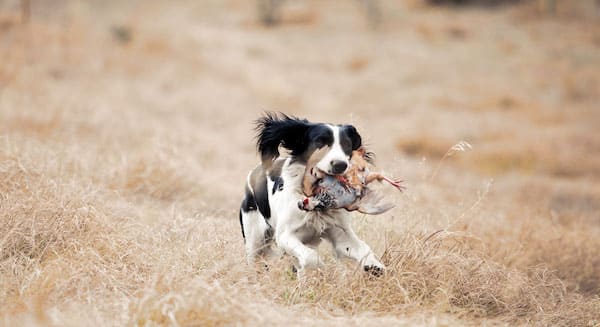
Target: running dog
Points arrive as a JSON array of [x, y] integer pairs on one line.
[[269, 212]]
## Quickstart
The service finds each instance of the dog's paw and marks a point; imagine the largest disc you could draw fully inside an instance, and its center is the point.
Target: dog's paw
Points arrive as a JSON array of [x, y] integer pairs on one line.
[[374, 270]]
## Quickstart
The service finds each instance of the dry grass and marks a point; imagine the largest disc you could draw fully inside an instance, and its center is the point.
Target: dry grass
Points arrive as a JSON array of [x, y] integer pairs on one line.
[[125, 138], [497, 156], [49, 220], [433, 148]]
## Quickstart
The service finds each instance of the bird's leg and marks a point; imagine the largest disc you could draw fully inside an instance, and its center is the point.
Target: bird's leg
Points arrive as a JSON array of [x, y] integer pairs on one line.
[[379, 177]]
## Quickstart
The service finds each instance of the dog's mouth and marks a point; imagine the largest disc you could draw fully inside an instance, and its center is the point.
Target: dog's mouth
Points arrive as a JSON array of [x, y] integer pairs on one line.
[[320, 175]]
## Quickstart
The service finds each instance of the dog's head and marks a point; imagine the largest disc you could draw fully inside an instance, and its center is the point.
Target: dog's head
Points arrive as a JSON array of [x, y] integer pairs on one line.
[[302, 138]]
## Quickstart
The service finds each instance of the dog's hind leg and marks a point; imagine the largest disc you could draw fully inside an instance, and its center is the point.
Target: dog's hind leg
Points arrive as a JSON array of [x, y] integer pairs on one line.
[[254, 215], [257, 235]]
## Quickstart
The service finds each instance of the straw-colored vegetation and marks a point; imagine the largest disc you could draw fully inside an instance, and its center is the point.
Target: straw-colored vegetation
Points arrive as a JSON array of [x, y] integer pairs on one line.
[[125, 137]]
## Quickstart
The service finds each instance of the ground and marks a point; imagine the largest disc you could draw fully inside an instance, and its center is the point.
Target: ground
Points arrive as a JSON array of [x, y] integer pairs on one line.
[[126, 135]]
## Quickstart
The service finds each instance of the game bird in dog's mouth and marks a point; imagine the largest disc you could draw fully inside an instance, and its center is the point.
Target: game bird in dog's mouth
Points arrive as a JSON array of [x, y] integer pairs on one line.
[[293, 203], [348, 191]]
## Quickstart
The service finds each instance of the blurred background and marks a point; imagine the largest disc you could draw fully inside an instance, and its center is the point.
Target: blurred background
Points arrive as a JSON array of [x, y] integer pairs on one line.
[[518, 80], [148, 106]]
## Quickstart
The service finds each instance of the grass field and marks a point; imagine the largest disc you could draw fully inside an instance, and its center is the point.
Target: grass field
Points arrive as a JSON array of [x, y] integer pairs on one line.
[[126, 135]]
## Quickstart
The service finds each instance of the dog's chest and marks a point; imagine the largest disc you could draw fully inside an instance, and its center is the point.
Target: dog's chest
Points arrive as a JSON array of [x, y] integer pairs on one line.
[[315, 225]]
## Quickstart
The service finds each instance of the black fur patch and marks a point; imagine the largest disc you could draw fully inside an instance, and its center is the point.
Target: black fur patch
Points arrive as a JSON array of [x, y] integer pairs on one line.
[[318, 136], [275, 170], [277, 184], [249, 203], [242, 225], [274, 130], [275, 175], [258, 182], [350, 140]]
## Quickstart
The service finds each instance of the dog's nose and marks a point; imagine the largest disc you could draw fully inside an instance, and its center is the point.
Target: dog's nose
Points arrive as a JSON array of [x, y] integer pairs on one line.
[[338, 167]]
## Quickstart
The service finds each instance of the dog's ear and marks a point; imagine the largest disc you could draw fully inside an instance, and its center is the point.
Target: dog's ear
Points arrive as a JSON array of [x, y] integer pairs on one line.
[[354, 137], [357, 144], [274, 130]]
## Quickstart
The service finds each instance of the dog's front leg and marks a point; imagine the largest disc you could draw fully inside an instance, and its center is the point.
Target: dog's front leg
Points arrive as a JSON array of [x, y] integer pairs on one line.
[[347, 244], [290, 243]]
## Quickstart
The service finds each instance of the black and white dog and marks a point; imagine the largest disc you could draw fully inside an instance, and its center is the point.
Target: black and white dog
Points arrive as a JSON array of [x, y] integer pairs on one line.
[[269, 211]]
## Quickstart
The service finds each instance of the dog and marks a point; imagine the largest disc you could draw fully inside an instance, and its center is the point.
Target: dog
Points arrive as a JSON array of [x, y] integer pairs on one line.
[[269, 212]]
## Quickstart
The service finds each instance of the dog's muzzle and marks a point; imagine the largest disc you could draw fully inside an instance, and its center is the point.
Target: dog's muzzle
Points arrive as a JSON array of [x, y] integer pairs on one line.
[[338, 167]]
